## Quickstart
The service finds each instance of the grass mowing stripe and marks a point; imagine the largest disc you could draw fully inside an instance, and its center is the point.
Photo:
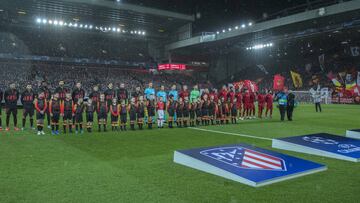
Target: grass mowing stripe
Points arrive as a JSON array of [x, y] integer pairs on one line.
[[228, 133]]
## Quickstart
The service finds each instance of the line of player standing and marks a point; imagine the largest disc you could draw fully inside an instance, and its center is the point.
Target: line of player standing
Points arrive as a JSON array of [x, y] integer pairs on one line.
[[186, 108]]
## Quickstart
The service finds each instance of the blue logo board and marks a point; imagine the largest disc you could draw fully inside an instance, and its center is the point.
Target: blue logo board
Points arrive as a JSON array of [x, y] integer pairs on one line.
[[246, 164], [355, 133], [322, 144]]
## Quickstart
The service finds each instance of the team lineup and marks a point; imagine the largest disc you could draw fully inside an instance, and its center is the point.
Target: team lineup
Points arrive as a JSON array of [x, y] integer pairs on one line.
[[184, 108]]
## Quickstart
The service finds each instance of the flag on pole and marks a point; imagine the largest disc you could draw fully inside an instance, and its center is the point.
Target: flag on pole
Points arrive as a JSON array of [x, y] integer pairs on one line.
[[278, 82], [296, 78]]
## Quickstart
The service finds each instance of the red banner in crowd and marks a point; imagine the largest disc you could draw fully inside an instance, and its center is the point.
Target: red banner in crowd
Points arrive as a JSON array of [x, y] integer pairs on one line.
[[279, 82], [246, 84]]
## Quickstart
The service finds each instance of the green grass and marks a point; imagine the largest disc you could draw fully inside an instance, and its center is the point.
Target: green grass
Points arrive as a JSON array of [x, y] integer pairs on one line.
[[138, 167]]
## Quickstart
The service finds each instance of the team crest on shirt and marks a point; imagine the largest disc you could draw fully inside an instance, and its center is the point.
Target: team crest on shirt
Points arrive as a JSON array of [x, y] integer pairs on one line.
[[245, 158]]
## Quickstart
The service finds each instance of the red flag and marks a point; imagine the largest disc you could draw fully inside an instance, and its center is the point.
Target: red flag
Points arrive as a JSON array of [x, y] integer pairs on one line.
[[278, 82]]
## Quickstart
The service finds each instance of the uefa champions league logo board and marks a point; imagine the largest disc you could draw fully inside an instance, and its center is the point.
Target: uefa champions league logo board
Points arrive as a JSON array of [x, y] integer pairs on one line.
[[323, 144], [246, 164], [353, 133]]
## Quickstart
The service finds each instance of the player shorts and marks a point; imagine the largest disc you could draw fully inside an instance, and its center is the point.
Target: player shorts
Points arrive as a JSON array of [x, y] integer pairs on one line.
[[78, 118], [192, 114], [171, 112], [151, 112], [114, 118], [123, 118], [269, 106], [12, 110], [28, 112], [67, 115], [132, 116], [185, 114], [89, 117], [40, 116], [160, 114], [102, 115], [141, 115], [234, 112], [55, 118]]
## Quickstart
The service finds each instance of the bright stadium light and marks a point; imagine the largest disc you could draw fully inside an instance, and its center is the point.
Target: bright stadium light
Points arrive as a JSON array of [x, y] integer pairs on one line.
[[236, 27], [75, 25], [243, 25], [217, 32], [38, 20], [90, 27], [118, 30], [61, 23], [124, 31], [65, 24], [143, 33], [56, 22], [81, 25], [131, 32], [229, 29], [250, 24], [85, 26], [50, 22], [44, 21], [224, 30]]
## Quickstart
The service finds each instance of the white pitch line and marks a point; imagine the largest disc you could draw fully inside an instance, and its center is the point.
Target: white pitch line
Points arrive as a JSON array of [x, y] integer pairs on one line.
[[228, 133]]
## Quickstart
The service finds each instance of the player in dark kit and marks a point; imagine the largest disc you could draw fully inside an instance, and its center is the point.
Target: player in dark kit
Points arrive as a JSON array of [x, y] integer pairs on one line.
[[198, 112], [1, 98], [109, 94], [62, 91], [68, 112], [11, 97], [123, 116], [115, 112], [55, 109], [205, 103], [89, 109], [102, 111], [140, 113], [79, 110], [95, 96], [179, 112], [27, 100], [192, 113], [186, 112], [77, 94], [132, 108], [212, 108], [44, 88], [40, 106], [234, 110], [122, 93], [171, 107], [150, 106]]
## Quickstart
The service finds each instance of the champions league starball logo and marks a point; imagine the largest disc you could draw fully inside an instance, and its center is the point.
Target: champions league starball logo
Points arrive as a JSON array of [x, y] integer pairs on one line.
[[342, 148]]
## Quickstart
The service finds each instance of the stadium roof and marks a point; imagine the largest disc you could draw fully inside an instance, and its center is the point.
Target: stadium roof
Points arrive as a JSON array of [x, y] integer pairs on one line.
[[103, 12]]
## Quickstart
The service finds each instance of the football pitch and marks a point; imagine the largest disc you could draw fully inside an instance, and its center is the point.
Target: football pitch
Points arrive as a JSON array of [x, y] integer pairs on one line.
[[137, 166]]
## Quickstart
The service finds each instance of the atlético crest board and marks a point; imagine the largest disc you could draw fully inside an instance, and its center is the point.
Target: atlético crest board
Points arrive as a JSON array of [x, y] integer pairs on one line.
[[246, 164]]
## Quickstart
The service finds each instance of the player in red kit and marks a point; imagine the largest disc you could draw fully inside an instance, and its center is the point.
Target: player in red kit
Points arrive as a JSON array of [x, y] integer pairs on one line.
[[223, 93], [269, 99], [252, 105], [261, 104], [246, 102], [184, 92], [239, 99]]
